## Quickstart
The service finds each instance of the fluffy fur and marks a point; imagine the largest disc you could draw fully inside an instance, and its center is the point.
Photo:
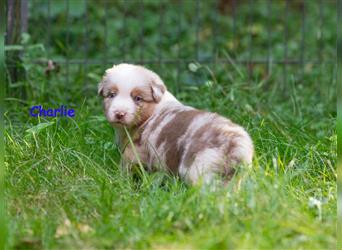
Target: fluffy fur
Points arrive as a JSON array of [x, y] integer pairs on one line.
[[167, 135]]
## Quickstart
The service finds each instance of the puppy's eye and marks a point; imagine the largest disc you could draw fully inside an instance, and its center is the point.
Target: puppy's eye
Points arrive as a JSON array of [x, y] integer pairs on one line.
[[111, 95], [138, 98]]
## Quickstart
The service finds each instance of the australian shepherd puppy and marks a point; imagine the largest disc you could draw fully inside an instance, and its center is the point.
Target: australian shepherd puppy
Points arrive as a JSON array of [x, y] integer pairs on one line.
[[165, 134]]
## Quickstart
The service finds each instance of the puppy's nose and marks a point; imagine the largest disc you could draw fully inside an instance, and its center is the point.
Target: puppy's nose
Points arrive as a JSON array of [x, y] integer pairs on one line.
[[119, 115]]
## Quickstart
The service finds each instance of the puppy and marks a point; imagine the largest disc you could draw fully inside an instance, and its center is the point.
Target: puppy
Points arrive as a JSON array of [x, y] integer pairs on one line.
[[167, 135]]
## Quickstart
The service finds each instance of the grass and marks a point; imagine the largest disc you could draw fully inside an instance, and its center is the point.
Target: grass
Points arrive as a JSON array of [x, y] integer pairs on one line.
[[64, 188]]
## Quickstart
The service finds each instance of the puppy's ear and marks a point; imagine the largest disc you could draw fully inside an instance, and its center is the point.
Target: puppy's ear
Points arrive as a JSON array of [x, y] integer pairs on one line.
[[102, 83], [158, 88], [100, 89], [157, 92]]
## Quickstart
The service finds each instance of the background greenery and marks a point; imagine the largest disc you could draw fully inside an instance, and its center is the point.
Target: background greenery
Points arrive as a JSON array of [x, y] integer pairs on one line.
[[63, 185]]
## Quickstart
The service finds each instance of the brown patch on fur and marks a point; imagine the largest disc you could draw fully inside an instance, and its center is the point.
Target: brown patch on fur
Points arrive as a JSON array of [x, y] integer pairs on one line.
[[171, 132], [233, 141], [146, 106], [156, 82], [114, 89], [144, 112], [157, 120], [231, 160], [232, 145], [145, 92], [200, 142], [212, 137]]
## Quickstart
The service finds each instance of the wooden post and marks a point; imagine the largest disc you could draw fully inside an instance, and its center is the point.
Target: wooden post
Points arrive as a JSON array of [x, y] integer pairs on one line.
[[17, 23], [17, 20]]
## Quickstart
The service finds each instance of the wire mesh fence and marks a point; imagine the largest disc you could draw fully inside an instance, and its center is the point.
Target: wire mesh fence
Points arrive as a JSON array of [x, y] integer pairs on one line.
[[84, 37]]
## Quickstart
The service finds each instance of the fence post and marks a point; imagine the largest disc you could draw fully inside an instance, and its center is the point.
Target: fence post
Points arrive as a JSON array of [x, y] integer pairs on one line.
[[17, 20], [17, 23]]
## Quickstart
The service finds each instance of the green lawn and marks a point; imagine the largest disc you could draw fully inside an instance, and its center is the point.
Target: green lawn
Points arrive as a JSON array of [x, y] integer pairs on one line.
[[64, 188]]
